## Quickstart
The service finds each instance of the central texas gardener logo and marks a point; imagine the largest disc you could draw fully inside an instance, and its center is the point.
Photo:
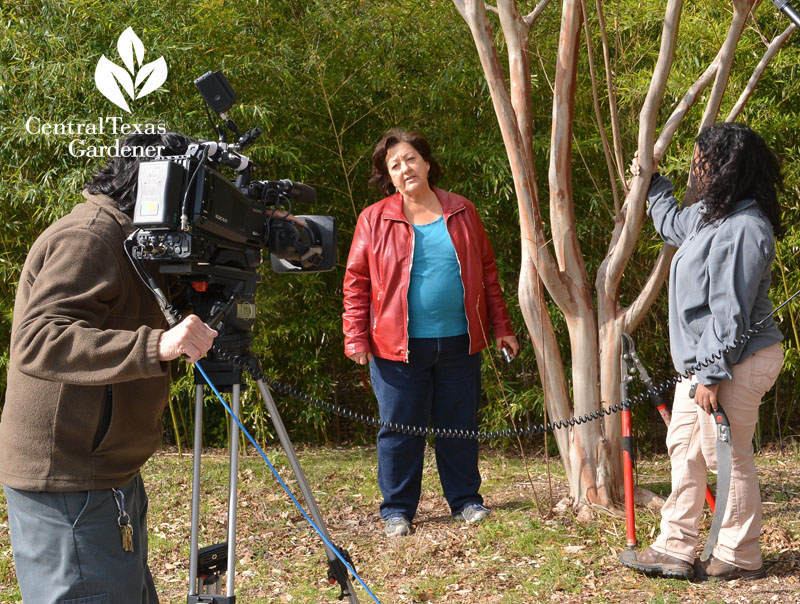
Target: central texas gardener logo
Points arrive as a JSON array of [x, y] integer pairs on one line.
[[135, 79]]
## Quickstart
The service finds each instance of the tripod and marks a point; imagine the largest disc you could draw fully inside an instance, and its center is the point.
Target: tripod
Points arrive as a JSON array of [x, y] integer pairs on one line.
[[224, 295], [206, 564]]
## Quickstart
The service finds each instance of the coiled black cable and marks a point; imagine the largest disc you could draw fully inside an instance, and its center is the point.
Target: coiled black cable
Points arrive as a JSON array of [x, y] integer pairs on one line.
[[252, 367]]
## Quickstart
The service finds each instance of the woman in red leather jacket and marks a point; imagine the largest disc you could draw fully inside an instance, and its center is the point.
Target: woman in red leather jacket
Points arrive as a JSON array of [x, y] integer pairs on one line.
[[421, 296]]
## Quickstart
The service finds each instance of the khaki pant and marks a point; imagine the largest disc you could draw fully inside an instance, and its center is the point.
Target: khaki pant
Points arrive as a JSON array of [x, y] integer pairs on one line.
[[691, 440]]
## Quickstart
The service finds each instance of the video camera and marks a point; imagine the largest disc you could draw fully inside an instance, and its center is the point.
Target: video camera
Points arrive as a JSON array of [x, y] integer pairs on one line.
[[209, 232], [189, 214]]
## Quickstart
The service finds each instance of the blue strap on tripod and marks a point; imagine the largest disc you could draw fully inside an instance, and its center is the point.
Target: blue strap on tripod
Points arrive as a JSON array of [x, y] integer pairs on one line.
[[327, 542]]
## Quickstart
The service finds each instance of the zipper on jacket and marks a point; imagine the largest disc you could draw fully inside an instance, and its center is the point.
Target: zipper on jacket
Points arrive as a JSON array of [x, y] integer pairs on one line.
[[463, 287], [104, 423], [408, 282]]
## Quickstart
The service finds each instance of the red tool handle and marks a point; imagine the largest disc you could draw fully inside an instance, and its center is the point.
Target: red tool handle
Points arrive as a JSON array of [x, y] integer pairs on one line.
[[627, 472]]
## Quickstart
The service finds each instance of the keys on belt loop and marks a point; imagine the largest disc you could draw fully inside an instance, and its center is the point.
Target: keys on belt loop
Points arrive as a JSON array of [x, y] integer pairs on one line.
[[124, 521]]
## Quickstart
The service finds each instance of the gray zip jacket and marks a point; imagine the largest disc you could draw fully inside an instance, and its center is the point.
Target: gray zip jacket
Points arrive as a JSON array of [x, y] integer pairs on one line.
[[718, 282]]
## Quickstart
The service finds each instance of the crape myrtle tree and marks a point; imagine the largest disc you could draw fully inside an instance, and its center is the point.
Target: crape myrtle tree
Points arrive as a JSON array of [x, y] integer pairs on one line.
[[553, 262]]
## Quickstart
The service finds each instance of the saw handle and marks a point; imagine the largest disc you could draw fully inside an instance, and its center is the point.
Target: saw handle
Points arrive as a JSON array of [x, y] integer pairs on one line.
[[721, 418], [722, 423]]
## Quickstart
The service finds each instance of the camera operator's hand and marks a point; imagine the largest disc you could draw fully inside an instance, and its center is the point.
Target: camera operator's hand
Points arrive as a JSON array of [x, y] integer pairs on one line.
[[284, 215], [362, 358], [191, 337]]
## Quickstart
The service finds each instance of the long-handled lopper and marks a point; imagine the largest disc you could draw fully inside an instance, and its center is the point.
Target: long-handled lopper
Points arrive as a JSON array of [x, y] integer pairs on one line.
[[630, 365]]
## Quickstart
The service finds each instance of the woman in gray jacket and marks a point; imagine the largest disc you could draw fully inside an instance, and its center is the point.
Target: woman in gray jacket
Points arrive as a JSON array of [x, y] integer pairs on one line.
[[718, 289]]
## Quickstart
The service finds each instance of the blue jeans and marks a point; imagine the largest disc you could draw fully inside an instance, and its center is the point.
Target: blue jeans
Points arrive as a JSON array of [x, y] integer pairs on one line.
[[68, 548], [440, 384]]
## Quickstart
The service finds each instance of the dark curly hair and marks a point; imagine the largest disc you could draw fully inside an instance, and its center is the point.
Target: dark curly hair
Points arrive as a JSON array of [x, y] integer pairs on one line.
[[119, 177], [380, 178], [734, 163]]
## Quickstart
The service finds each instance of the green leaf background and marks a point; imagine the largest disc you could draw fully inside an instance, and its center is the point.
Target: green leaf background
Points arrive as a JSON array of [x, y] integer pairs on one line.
[[325, 80]]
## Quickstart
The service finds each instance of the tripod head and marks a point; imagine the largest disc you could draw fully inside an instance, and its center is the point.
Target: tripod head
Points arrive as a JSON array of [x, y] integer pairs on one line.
[[224, 298]]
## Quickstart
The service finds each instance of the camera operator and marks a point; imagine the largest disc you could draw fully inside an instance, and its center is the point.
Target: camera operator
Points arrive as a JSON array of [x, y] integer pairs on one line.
[[88, 380]]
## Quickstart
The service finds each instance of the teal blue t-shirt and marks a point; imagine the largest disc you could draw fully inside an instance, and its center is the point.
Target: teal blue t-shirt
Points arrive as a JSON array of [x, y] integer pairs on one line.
[[435, 291]]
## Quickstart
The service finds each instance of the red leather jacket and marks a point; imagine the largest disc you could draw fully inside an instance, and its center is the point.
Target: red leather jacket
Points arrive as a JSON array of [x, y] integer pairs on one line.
[[375, 315]]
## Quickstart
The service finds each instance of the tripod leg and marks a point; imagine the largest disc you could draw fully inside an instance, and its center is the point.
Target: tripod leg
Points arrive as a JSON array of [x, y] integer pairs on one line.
[[232, 490], [305, 489], [198, 448]]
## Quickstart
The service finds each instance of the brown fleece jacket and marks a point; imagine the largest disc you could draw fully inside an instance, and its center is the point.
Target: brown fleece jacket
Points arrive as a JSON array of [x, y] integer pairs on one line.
[[83, 321]]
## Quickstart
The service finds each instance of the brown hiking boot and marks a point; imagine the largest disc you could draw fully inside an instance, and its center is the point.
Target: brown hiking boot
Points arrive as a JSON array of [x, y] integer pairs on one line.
[[717, 569], [656, 564]]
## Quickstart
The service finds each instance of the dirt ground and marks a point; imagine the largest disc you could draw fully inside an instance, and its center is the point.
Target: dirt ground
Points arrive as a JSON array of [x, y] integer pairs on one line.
[[525, 552]]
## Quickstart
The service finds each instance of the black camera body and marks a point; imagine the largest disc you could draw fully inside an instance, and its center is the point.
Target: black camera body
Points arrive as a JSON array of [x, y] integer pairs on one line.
[[207, 233], [187, 211]]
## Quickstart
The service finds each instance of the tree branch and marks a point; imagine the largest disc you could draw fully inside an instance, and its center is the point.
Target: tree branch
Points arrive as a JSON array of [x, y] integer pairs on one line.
[[531, 17], [655, 94], [719, 69], [741, 12], [772, 49], [562, 210], [598, 115], [616, 135], [531, 224], [688, 100], [630, 220], [516, 32], [637, 311], [462, 9]]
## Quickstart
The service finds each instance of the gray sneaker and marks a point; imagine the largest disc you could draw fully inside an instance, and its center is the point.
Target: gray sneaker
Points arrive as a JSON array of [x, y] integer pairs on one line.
[[473, 513], [397, 526]]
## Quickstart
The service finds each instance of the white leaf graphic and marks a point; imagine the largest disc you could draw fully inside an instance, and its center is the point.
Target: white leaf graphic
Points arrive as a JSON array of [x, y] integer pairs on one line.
[[109, 77], [153, 75], [128, 44]]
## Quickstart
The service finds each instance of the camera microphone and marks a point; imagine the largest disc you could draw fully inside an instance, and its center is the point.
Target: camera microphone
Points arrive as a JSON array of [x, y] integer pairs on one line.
[[299, 191], [786, 9]]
